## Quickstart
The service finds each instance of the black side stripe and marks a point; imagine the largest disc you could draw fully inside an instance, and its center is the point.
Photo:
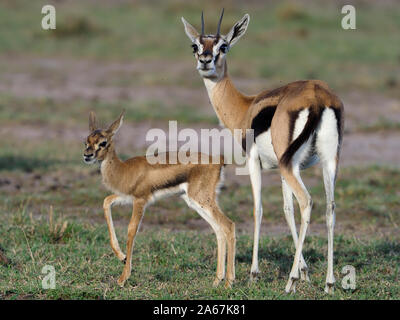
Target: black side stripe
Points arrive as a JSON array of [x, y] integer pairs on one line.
[[314, 117], [180, 178], [262, 121]]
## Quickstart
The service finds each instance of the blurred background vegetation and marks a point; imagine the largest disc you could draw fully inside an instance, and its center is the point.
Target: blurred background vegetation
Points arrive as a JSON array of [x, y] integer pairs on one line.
[[109, 55]]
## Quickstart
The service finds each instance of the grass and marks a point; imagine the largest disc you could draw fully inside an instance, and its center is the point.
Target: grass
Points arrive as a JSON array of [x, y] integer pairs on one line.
[[381, 125], [136, 56], [165, 262], [168, 256], [67, 114]]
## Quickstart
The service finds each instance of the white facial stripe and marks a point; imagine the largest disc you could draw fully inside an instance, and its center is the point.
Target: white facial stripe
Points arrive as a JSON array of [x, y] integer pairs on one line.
[[216, 48], [199, 46]]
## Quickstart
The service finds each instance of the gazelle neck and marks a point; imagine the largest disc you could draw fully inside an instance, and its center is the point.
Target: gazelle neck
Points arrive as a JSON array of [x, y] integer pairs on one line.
[[229, 103], [111, 168]]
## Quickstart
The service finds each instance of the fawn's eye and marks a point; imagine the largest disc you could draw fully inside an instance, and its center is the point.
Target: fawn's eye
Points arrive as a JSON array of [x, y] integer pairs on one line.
[[103, 144], [195, 48], [223, 48]]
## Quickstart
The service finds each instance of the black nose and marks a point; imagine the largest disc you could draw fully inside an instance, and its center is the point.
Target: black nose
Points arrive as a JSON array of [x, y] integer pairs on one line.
[[205, 60]]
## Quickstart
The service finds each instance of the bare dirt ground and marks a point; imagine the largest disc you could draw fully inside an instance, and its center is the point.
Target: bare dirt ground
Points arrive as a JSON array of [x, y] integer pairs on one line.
[[65, 80]]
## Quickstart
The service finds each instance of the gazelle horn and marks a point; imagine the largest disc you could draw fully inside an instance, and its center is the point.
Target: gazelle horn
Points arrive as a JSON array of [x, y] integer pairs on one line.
[[219, 23], [202, 24]]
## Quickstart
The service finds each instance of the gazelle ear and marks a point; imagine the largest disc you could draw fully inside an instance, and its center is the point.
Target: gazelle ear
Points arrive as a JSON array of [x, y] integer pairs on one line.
[[114, 127], [92, 121], [190, 30], [238, 30]]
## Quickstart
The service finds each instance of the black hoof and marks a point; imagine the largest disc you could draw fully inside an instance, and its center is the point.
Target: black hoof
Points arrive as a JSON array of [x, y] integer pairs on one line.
[[254, 276]]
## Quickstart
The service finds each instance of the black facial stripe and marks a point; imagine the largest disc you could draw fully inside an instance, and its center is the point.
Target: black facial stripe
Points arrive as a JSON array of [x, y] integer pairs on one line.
[[96, 152]]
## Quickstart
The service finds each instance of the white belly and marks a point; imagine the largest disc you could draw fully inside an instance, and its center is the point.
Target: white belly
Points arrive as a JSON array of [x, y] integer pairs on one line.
[[266, 151]]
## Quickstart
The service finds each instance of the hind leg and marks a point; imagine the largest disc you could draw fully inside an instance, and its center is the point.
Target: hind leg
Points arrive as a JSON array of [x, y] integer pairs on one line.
[[221, 241], [224, 229], [329, 172], [292, 177], [289, 215], [328, 146]]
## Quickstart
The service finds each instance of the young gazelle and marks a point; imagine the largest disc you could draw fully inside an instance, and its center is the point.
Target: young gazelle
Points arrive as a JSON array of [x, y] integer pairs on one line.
[[136, 181], [295, 126]]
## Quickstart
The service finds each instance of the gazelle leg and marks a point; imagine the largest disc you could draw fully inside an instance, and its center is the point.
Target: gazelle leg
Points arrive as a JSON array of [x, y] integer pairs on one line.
[[255, 178], [221, 241], [289, 215], [329, 173], [221, 257], [293, 178], [108, 201], [225, 233], [138, 209], [231, 240]]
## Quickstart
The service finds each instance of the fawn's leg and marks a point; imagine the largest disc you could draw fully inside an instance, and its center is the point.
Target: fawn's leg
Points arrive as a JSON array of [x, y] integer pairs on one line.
[[289, 215], [206, 214], [138, 210], [108, 201], [228, 228]]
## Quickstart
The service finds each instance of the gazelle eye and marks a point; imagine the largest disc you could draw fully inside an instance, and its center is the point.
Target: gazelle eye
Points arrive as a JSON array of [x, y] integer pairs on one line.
[[195, 48], [223, 48], [103, 144]]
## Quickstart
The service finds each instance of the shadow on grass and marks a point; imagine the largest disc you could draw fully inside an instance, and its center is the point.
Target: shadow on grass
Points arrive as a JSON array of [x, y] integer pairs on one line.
[[26, 164]]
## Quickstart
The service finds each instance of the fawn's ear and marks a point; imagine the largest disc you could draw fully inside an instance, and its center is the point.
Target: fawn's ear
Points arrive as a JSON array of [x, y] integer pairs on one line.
[[191, 31], [238, 30], [92, 121], [114, 127]]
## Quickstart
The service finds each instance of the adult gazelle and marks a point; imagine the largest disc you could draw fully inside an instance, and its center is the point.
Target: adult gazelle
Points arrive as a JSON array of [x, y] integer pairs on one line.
[[295, 126]]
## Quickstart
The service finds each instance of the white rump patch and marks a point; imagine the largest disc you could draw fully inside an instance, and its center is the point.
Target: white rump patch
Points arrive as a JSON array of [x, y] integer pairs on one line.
[[303, 152], [327, 142]]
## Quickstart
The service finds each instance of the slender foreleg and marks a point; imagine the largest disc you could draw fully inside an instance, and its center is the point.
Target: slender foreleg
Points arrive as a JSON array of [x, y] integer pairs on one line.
[[108, 202], [255, 178]]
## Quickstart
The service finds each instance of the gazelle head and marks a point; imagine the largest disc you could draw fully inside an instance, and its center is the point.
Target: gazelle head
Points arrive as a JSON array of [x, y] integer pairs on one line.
[[210, 50], [98, 142]]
